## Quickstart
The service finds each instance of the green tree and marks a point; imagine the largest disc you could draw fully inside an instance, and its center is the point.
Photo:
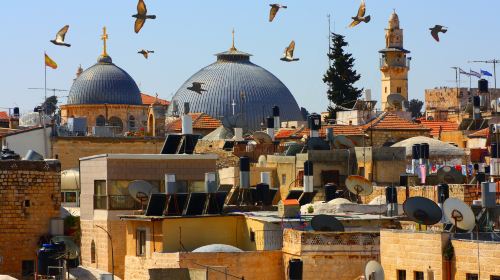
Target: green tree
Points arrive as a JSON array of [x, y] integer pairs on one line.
[[50, 105], [415, 108], [341, 77]]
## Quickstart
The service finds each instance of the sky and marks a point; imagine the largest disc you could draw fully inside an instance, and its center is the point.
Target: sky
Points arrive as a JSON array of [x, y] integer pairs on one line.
[[187, 33]]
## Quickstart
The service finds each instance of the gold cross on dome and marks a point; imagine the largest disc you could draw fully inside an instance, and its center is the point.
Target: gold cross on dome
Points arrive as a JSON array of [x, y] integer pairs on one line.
[[104, 38]]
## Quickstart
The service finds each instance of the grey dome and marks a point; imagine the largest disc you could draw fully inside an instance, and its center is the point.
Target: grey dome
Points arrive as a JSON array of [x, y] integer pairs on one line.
[[104, 83], [214, 248], [226, 79]]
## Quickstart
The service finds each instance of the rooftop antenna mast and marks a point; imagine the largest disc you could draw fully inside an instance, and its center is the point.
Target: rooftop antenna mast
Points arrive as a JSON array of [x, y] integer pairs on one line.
[[494, 62]]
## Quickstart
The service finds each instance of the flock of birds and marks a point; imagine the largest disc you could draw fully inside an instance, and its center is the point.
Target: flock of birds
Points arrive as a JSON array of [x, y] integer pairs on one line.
[[142, 15]]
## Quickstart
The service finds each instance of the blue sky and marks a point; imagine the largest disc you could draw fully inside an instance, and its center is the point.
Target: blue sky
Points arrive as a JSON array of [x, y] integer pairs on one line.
[[187, 33]]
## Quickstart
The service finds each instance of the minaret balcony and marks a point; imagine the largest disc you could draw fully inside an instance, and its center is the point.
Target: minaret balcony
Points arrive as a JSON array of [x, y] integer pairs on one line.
[[394, 64]]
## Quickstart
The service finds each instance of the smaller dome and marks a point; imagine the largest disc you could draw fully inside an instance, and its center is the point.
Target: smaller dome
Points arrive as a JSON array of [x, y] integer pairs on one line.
[[394, 21], [215, 248]]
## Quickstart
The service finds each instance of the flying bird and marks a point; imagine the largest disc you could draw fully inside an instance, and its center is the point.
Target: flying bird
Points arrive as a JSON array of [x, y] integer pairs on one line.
[[196, 87], [360, 17], [60, 37], [288, 55], [435, 31], [141, 16], [274, 10], [145, 53]]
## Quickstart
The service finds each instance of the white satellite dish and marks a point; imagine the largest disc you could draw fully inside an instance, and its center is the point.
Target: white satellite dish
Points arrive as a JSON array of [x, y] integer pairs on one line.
[[358, 185], [459, 214], [140, 190], [374, 271], [343, 142], [262, 138]]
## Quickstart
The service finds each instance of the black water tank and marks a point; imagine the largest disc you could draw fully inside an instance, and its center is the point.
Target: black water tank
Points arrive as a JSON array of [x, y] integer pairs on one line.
[[262, 191], [270, 122], [308, 168], [487, 170], [403, 180], [424, 150], [295, 269], [476, 166], [314, 122], [391, 195], [443, 192], [476, 101], [482, 85], [244, 164], [16, 112], [276, 111], [330, 190], [415, 151], [481, 176], [494, 150]]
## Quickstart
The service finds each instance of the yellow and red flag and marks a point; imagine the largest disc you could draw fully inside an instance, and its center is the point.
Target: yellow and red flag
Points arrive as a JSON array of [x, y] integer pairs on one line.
[[49, 62]]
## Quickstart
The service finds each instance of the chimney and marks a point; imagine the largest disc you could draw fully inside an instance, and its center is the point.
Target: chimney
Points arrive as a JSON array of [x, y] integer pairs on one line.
[[244, 172], [308, 177], [314, 123], [276, 116], [210, 182], [238, 134], [187, 121], [391, 200], [170, 185], [270, 127]]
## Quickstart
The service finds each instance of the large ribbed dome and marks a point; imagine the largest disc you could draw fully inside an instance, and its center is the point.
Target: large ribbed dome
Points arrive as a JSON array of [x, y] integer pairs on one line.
[[104, 83], [229, 78]]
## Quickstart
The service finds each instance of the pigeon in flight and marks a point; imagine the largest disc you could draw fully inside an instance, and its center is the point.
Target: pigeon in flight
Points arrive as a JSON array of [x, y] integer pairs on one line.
[[288, 55], [274, 10], [141, 16], [360, 17], [435, 31], [145, 53], [196, 87], [60, 37]]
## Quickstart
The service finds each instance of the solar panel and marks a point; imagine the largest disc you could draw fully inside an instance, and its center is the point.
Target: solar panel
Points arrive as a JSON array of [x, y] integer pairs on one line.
[[272, 194], [216, 203], [294, 194], [176, 204], [171, 143], [195, 204], [156, 204], [307, 197]]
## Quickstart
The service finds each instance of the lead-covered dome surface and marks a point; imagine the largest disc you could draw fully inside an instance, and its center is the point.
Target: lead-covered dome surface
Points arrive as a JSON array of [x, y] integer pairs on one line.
[[217, 248], [104, 83], [226, 81]]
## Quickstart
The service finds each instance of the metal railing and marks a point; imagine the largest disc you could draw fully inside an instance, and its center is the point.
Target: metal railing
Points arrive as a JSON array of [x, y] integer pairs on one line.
[[402, 63], [116, 202]]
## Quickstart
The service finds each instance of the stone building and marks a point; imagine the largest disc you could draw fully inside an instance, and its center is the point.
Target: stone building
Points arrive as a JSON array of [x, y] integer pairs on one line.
[[394, 64], [105, 196], [30, 199]]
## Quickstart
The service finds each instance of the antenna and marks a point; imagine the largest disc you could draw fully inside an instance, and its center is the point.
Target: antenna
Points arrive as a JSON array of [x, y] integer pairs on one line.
[[54, 90], [494, 62], [459, 213], [374, 271], [422, 210], [326, 223]]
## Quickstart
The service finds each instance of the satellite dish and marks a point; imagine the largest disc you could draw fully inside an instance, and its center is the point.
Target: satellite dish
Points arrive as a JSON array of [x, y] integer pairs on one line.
[[326, 223], [395, 100], [262, 161], [449, 175], [140, 190], [70, 179], [374, 271], [358, 185], [343, 142], [262, 138], [72, 250], [422, 210], [459, 213]]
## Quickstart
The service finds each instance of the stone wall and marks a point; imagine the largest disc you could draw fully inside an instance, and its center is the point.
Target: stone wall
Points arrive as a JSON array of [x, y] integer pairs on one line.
[[378, 137], [467, 260], [330, 255], [30, 198], [69, 149], [251, 265]]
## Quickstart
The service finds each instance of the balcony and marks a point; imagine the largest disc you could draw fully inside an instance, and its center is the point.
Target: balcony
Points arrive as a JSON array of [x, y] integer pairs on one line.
[[115, 202], [403, 63]]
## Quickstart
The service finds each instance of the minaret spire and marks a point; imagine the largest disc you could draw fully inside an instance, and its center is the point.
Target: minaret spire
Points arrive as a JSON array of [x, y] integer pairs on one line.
[[104, 38]]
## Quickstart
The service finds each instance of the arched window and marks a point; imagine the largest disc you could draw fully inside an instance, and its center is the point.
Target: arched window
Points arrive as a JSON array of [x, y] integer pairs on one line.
[[100, 121], [131, 122], [116, 124], [92, 252]]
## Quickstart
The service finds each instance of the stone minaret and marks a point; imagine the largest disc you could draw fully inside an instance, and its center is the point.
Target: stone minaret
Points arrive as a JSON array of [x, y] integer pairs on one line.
[[394, 64]]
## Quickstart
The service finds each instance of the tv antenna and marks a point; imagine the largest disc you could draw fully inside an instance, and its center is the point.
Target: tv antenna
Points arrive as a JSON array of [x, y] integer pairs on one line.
[[54, 90]]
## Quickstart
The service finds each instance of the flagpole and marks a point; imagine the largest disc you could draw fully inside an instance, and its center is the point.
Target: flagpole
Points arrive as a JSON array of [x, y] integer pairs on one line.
[[43, 109]]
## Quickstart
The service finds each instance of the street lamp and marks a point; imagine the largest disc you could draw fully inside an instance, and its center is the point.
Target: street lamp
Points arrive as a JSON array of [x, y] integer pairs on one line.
[[112, 254]]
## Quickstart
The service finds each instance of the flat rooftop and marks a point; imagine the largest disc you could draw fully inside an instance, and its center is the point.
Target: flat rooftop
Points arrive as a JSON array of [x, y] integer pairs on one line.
[[152, 156]]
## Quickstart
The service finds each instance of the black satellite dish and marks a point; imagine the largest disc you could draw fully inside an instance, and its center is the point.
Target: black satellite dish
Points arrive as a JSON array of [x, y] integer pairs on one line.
[[326, 223], [422, 210]]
